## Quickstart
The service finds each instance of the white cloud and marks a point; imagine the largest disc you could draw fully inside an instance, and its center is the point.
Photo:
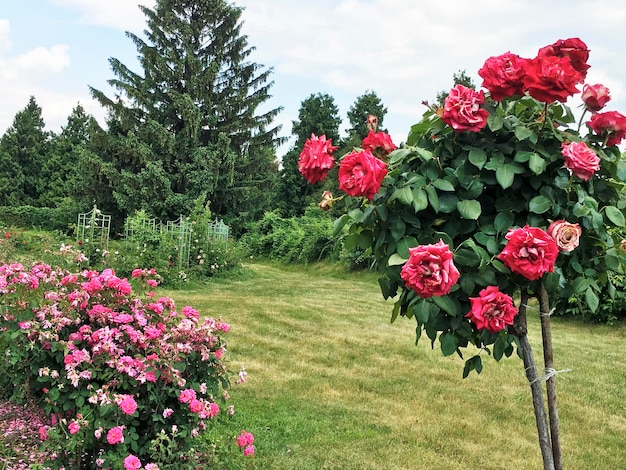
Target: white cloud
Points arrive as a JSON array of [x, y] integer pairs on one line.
[[120, 14]]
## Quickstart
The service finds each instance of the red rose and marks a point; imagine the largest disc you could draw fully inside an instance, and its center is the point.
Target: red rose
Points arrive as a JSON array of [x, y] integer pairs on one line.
[[595, 97], [430, 270], [565, 235], [361, 174], [492, 310], [503, 75], [530, 252], [580, 160], [462, 111], [316, 158], [574, 49], [378, 142], [610, 124], [550, 78]]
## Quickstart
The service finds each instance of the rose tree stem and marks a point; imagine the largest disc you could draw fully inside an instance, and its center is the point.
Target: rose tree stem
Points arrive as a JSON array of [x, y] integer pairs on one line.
[[535, 384], [548, 360]]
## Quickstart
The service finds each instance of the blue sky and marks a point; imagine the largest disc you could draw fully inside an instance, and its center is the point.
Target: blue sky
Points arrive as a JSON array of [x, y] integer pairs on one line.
[[404, 50]]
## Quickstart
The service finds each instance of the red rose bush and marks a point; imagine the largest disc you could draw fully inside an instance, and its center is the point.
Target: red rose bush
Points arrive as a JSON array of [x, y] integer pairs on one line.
[[498, 196]]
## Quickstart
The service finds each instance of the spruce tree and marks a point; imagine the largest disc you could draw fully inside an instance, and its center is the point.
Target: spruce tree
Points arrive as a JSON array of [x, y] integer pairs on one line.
[[186, 126], [23, 150]]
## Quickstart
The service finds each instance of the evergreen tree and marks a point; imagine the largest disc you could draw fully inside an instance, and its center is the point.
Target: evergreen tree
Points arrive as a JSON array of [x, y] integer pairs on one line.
[[23, 150], [366, 104], [186, 126], [318, 115], [60, 172]]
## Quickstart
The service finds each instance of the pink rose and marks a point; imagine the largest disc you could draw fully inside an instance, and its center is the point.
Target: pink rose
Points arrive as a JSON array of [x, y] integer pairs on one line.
[[574, 49], [187, 395], [462, 111], [115, 435], [167, 412], [611, 125], [74, 427], [128, 404], [595, 96], [196, 406], [316, 158], [492, 310], [565, 235], [248, 451], [361, 174], [132, 463], [550, 78], [580, 160], [245, 439], [430, 270], [503, 75], [530, 252], [379, 143], [43, 433]]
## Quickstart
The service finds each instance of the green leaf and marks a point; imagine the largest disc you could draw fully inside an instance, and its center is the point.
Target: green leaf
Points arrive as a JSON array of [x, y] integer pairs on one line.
[[403, 194], [539, 204], [498, 347], [505, 175], [495, 122], [537, 164], [592, 300], [469, 209], [443, 185], [447, 304], [449, 343], [473, 363], [503, 221], [420, 199], [396, 260], [422, 310], [524, 133], [397, 228], [405, 244], [339, 224], [477, 157], [615, 215], [433, 198]]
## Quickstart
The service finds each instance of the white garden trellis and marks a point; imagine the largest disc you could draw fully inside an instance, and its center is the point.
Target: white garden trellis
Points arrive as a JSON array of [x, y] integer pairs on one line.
[[94, 227]]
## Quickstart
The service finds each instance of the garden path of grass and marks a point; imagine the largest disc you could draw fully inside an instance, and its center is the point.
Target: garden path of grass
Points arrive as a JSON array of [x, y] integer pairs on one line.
[[333, 385]]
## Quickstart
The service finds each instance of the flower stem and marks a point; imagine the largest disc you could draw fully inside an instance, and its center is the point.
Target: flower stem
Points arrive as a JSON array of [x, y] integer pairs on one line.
[[535, 384], [548, 362]]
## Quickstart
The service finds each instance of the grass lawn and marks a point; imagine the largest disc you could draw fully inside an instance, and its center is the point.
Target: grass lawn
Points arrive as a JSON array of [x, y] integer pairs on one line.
[[333, 384]]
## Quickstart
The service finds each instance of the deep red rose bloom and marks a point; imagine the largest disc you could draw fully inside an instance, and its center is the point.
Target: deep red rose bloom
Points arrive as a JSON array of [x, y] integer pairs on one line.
[[609, 124], [430, 270], [378, 142], [580, 160], [492, 310], [503, 75], [574, 49], [316, 158], [361, 174], [462, 111], [530, 252], [550, 78], [595, 97]]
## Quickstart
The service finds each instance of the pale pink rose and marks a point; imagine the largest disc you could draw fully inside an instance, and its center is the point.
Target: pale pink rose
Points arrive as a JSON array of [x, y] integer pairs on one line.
[[74, 427], [167, 412], [132, 463], [565, 235], [249, 451], [595, 96]]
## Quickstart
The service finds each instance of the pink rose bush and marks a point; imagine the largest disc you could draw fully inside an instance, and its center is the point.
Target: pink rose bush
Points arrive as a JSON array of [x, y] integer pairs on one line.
[[114, 372]]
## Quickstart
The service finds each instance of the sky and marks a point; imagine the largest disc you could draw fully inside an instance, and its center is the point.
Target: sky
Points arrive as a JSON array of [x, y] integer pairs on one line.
[[406, 51]]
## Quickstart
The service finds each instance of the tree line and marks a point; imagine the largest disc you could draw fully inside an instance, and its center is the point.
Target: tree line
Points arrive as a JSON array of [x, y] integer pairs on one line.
[[188, 126]]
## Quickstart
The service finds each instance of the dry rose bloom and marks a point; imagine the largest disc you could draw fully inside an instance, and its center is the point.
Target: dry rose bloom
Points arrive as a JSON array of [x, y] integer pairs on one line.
[[316, 158], [462, 111], [430, 270], [595, 96], [326, 202], [530, 252], [371, 122], [361, 174], [566, 235], [492, 310], [580, 160], [503, 75]]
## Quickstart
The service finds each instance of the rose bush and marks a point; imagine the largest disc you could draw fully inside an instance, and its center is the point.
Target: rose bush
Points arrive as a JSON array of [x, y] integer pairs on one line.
[[111, 370], [485, 175]]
